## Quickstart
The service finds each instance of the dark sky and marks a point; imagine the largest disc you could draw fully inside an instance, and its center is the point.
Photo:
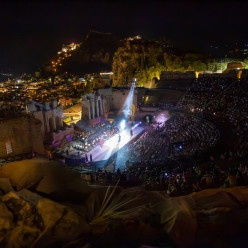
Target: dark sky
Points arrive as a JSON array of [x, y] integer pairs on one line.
[[32, 32]]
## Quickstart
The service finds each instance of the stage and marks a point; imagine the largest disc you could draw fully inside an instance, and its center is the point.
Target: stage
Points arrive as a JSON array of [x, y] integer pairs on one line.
[[112, 145], [109, 147]]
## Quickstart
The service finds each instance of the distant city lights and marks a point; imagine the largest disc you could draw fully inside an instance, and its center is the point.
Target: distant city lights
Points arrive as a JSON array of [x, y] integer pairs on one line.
[[137, 37]]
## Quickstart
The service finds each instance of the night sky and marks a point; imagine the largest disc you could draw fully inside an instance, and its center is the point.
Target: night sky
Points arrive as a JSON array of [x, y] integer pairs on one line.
[[32, 32]]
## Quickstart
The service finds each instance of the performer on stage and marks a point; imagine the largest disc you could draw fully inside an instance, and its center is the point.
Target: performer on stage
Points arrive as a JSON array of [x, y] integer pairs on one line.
[[131, 132], [101, 143], [119, 138]]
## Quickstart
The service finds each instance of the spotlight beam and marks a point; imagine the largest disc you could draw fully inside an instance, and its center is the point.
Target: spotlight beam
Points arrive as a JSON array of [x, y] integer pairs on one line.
[[127, 108]]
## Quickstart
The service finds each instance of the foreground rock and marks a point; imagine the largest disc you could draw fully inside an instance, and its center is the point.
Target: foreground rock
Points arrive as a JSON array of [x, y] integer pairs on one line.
[[28, 220], [31, 216], [46, 177]]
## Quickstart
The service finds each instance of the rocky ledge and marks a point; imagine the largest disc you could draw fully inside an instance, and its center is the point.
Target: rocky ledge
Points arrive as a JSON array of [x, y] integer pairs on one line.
[[44, 204]]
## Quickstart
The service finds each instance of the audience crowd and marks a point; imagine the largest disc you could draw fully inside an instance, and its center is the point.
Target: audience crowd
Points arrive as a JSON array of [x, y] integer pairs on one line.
[[85, 141], [181, 135], [203, 91], [232, 104], [229, 103], [176, 176]]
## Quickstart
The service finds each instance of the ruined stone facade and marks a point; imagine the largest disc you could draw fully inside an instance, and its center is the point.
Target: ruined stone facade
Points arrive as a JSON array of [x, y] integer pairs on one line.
[[20, 135], [119, 97], [101, 102], [171, 75], [50, 115], [96, 104]]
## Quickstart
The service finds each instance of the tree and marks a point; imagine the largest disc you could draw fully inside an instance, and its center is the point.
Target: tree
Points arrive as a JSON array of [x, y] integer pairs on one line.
[[173, 62], [221, 66], [189, 59], [146, 61], [211, 66], [199, 66], [246, 63], [123, 65], [214, 65]]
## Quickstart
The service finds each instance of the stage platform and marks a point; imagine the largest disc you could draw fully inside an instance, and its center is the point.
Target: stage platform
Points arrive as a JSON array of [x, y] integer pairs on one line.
[[110, 147]]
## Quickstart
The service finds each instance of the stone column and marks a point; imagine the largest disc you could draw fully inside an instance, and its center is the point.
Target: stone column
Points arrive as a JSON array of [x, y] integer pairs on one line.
[[61, 122], [89, 109], [103, 106], [86, 111], [92, 103], [46, 122], [100, 99], [97, 107], [54, 123], [60, 115]]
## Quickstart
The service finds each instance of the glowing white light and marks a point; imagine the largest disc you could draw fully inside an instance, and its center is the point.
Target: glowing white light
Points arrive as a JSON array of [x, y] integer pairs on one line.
[[136, 125], [106, 73], [162, 117], [111, 143], [122, 125]]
